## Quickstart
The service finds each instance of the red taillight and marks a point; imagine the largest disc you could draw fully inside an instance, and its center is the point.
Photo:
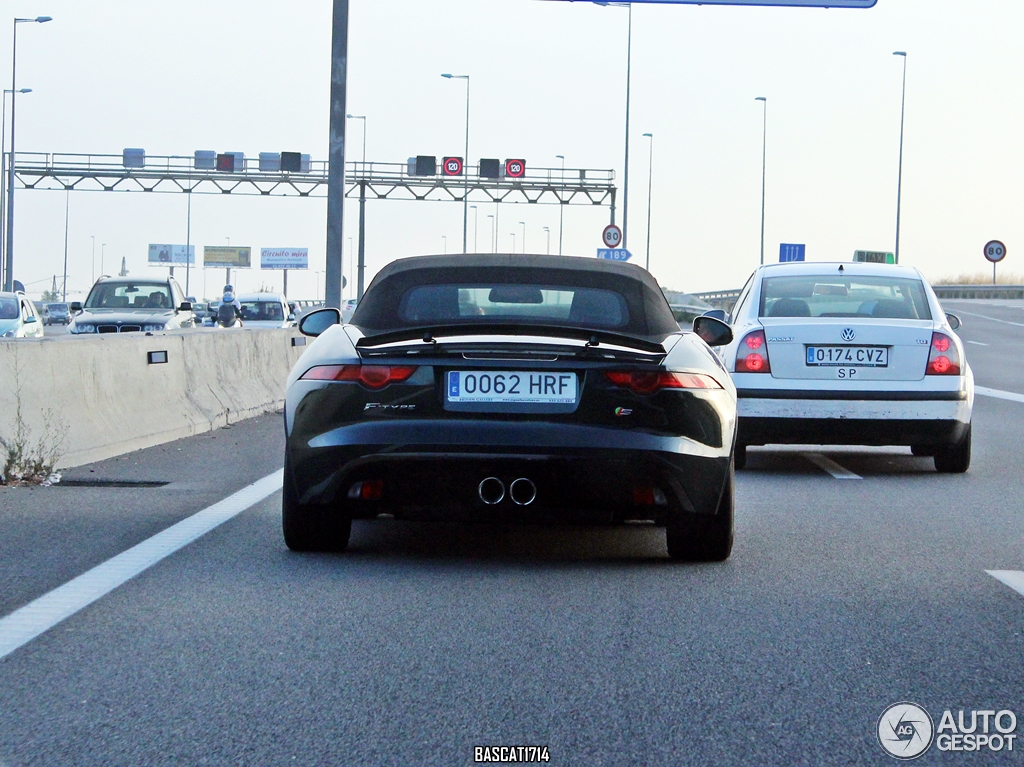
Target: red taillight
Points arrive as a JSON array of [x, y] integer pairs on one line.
[[370, 376], [367, 490], [648, 382], [943, 357], [752, 355]]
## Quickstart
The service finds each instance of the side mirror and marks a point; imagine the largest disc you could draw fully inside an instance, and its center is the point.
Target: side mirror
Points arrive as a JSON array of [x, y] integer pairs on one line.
[[291, 318], [954, 321], [76, 306], [30, 318], [713, 331], [315, 323], [185, 307], [718, 314]]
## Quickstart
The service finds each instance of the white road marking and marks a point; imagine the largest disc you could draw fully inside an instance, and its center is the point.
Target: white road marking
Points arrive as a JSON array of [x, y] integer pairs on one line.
[[999, 394], [42, 614], [827, 464], [993, 319], [1012, 578], [977, 343]]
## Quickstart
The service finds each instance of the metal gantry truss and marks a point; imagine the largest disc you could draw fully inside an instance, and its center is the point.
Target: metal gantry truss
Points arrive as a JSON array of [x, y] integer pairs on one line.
[[363, 180], [375, 181]]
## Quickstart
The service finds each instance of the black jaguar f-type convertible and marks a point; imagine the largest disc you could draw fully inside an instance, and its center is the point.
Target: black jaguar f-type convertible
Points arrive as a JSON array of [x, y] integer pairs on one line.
[[511, 388]]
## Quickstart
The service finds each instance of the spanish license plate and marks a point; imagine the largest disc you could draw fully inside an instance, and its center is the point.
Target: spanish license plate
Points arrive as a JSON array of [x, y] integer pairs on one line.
[[511, 386], [848, 356]]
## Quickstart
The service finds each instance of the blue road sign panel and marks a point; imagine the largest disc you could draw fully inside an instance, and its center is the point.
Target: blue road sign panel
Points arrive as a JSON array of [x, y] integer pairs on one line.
[[792, 3], [790, 252], [614, 254]]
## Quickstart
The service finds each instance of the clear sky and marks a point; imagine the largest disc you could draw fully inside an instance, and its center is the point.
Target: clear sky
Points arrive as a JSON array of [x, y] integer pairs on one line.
[[548, 78]]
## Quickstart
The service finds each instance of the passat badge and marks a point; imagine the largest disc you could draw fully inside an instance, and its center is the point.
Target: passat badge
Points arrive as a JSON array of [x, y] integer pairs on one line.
[[848, 334]]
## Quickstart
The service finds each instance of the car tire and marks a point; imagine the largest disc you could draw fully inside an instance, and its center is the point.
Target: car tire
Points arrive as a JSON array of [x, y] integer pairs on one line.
[[925, 451], [704, 538], [308, 527], [740, 456], [955, 459]]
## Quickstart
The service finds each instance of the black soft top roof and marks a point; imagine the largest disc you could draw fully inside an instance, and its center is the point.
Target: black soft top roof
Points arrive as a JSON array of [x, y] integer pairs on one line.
[[650, 315]]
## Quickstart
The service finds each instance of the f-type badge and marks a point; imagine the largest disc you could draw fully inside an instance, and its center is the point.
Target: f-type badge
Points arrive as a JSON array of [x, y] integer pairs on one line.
[[848, 334]]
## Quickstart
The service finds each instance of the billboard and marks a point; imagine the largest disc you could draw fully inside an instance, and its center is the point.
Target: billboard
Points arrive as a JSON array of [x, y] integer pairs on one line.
[[172, 254], [231, 257], [284, 258]]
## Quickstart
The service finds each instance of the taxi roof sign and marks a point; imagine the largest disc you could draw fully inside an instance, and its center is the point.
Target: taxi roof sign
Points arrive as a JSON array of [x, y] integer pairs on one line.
[[874, 257]]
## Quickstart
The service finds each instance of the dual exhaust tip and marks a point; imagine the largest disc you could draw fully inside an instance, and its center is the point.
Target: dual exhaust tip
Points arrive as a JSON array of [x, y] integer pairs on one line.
[[522, 491]]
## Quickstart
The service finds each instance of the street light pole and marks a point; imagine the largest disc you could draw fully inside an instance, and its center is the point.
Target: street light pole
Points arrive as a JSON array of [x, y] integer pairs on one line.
[[476, 217], [9, 277], [625, 171], [650, 175], [493, 248], [513, 241], [92, 274], [764, 139], [899, 178], [103, 253], [523, 224], [547, 250], [465, 168], [561, 205], [3, 151]]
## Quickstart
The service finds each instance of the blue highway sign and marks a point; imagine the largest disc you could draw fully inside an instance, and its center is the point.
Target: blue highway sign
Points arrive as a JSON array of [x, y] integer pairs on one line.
[[614, 254], [790, 252]]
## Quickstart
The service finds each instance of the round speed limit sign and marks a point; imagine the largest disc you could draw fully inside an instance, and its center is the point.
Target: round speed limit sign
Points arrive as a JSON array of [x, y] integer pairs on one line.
[[611, 236], [995, 251]]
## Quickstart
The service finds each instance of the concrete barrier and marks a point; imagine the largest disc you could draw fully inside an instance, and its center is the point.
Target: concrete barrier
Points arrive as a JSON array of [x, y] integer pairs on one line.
[[110, 394]]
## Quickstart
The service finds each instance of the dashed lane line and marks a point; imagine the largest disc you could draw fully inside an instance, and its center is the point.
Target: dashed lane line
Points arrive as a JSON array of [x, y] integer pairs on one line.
[[42, 614], [999, 394], [825, 463], [993, 319], [977, 343], [1012, 578]]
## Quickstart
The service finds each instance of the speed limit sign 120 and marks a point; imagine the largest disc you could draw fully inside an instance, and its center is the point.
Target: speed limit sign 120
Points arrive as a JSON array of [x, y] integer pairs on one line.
[[611, 236], [995, 251]]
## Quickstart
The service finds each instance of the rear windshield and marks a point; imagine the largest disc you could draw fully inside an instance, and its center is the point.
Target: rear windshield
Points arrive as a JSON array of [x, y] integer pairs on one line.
[[57, 308], [838, 296], [262, 310], [517, 295], [121, 295], [584, 307]]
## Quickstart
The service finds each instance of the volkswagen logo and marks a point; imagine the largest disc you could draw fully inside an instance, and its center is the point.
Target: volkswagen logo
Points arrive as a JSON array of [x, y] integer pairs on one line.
[[848, 334]]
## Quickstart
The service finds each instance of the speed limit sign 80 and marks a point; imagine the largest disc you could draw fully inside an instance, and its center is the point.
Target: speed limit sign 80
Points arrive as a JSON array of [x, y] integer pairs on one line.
[[995, 251], [611, 236]]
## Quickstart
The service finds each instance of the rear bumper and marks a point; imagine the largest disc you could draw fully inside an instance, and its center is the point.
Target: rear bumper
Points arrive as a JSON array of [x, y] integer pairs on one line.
[[433, 469], [914, 418]]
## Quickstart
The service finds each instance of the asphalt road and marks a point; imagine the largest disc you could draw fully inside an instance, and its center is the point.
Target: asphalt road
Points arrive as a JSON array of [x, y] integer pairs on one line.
[[842, 596]]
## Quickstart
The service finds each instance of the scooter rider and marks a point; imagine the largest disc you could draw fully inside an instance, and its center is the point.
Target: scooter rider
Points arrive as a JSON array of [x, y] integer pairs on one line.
[[225, 315]]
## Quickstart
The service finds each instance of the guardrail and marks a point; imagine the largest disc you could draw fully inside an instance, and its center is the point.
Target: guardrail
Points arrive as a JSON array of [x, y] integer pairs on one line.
[[979, 291]]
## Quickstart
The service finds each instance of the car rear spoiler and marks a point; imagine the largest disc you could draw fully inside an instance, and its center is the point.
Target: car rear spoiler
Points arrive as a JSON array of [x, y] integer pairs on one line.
[[433, 333]]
